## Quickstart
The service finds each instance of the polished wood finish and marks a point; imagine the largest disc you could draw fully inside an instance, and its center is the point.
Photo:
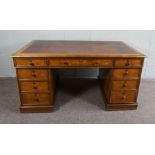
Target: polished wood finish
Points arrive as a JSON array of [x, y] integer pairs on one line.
[[30, 62], [34, 74], [122, 85], [35, 99], [126, 74], [128, 63], [35, 62], [80, 62], [123, 97], [37, 93], [34, 86]]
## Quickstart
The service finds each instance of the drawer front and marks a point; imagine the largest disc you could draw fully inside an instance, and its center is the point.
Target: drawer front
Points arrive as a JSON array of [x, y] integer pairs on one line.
[[118, 85], [30, 62], [123, 97], [103, 62], [35, 99], [33, 74], [34, 86], [126, 73], [128, 63], [80, 62]]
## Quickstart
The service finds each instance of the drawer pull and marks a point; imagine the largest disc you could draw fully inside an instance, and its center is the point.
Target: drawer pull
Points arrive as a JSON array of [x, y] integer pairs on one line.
[[123, 97], [36, 99], [124, 85], [32, 64], [96, 63], [128, 63], [126, 72], [34, 75], [65, 63], [34, 87]]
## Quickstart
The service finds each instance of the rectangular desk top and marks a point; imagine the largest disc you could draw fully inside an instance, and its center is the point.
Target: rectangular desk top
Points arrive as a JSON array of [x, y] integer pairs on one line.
[[49, 48]]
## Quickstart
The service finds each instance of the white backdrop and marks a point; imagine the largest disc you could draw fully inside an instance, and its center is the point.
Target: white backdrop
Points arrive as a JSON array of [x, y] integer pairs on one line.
[[10, 41]]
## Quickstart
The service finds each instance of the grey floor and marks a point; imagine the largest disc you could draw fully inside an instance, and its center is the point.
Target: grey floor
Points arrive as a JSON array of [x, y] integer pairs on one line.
[[77, 101]]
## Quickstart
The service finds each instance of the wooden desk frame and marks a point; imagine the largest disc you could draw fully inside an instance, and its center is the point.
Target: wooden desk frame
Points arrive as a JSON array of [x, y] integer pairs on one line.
[[36, 79]]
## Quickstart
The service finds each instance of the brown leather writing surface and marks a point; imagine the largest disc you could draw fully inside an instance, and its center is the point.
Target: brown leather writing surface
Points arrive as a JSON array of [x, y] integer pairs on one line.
[[78, 49]]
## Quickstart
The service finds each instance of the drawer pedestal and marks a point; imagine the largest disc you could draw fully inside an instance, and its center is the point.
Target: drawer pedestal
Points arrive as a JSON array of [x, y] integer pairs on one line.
[[120, 87], [36, 88]]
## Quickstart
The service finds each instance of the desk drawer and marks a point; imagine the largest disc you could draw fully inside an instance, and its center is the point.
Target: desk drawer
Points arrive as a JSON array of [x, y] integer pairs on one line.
[[126, 73], [34, 86], [118, 85], [35, 99], [123, 97], [34, 74], [80, 62], [30, 62], [128, 63]]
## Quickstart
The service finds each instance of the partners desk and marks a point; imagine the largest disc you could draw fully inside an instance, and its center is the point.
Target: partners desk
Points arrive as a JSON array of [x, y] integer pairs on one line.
[[36, 61]]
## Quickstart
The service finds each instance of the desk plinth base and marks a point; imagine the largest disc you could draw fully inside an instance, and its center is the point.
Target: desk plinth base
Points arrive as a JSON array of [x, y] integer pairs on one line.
[[115, 107], [39, 109]]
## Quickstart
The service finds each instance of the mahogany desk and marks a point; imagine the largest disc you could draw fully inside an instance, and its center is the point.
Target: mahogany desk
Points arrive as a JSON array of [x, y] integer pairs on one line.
[[34, 64]]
